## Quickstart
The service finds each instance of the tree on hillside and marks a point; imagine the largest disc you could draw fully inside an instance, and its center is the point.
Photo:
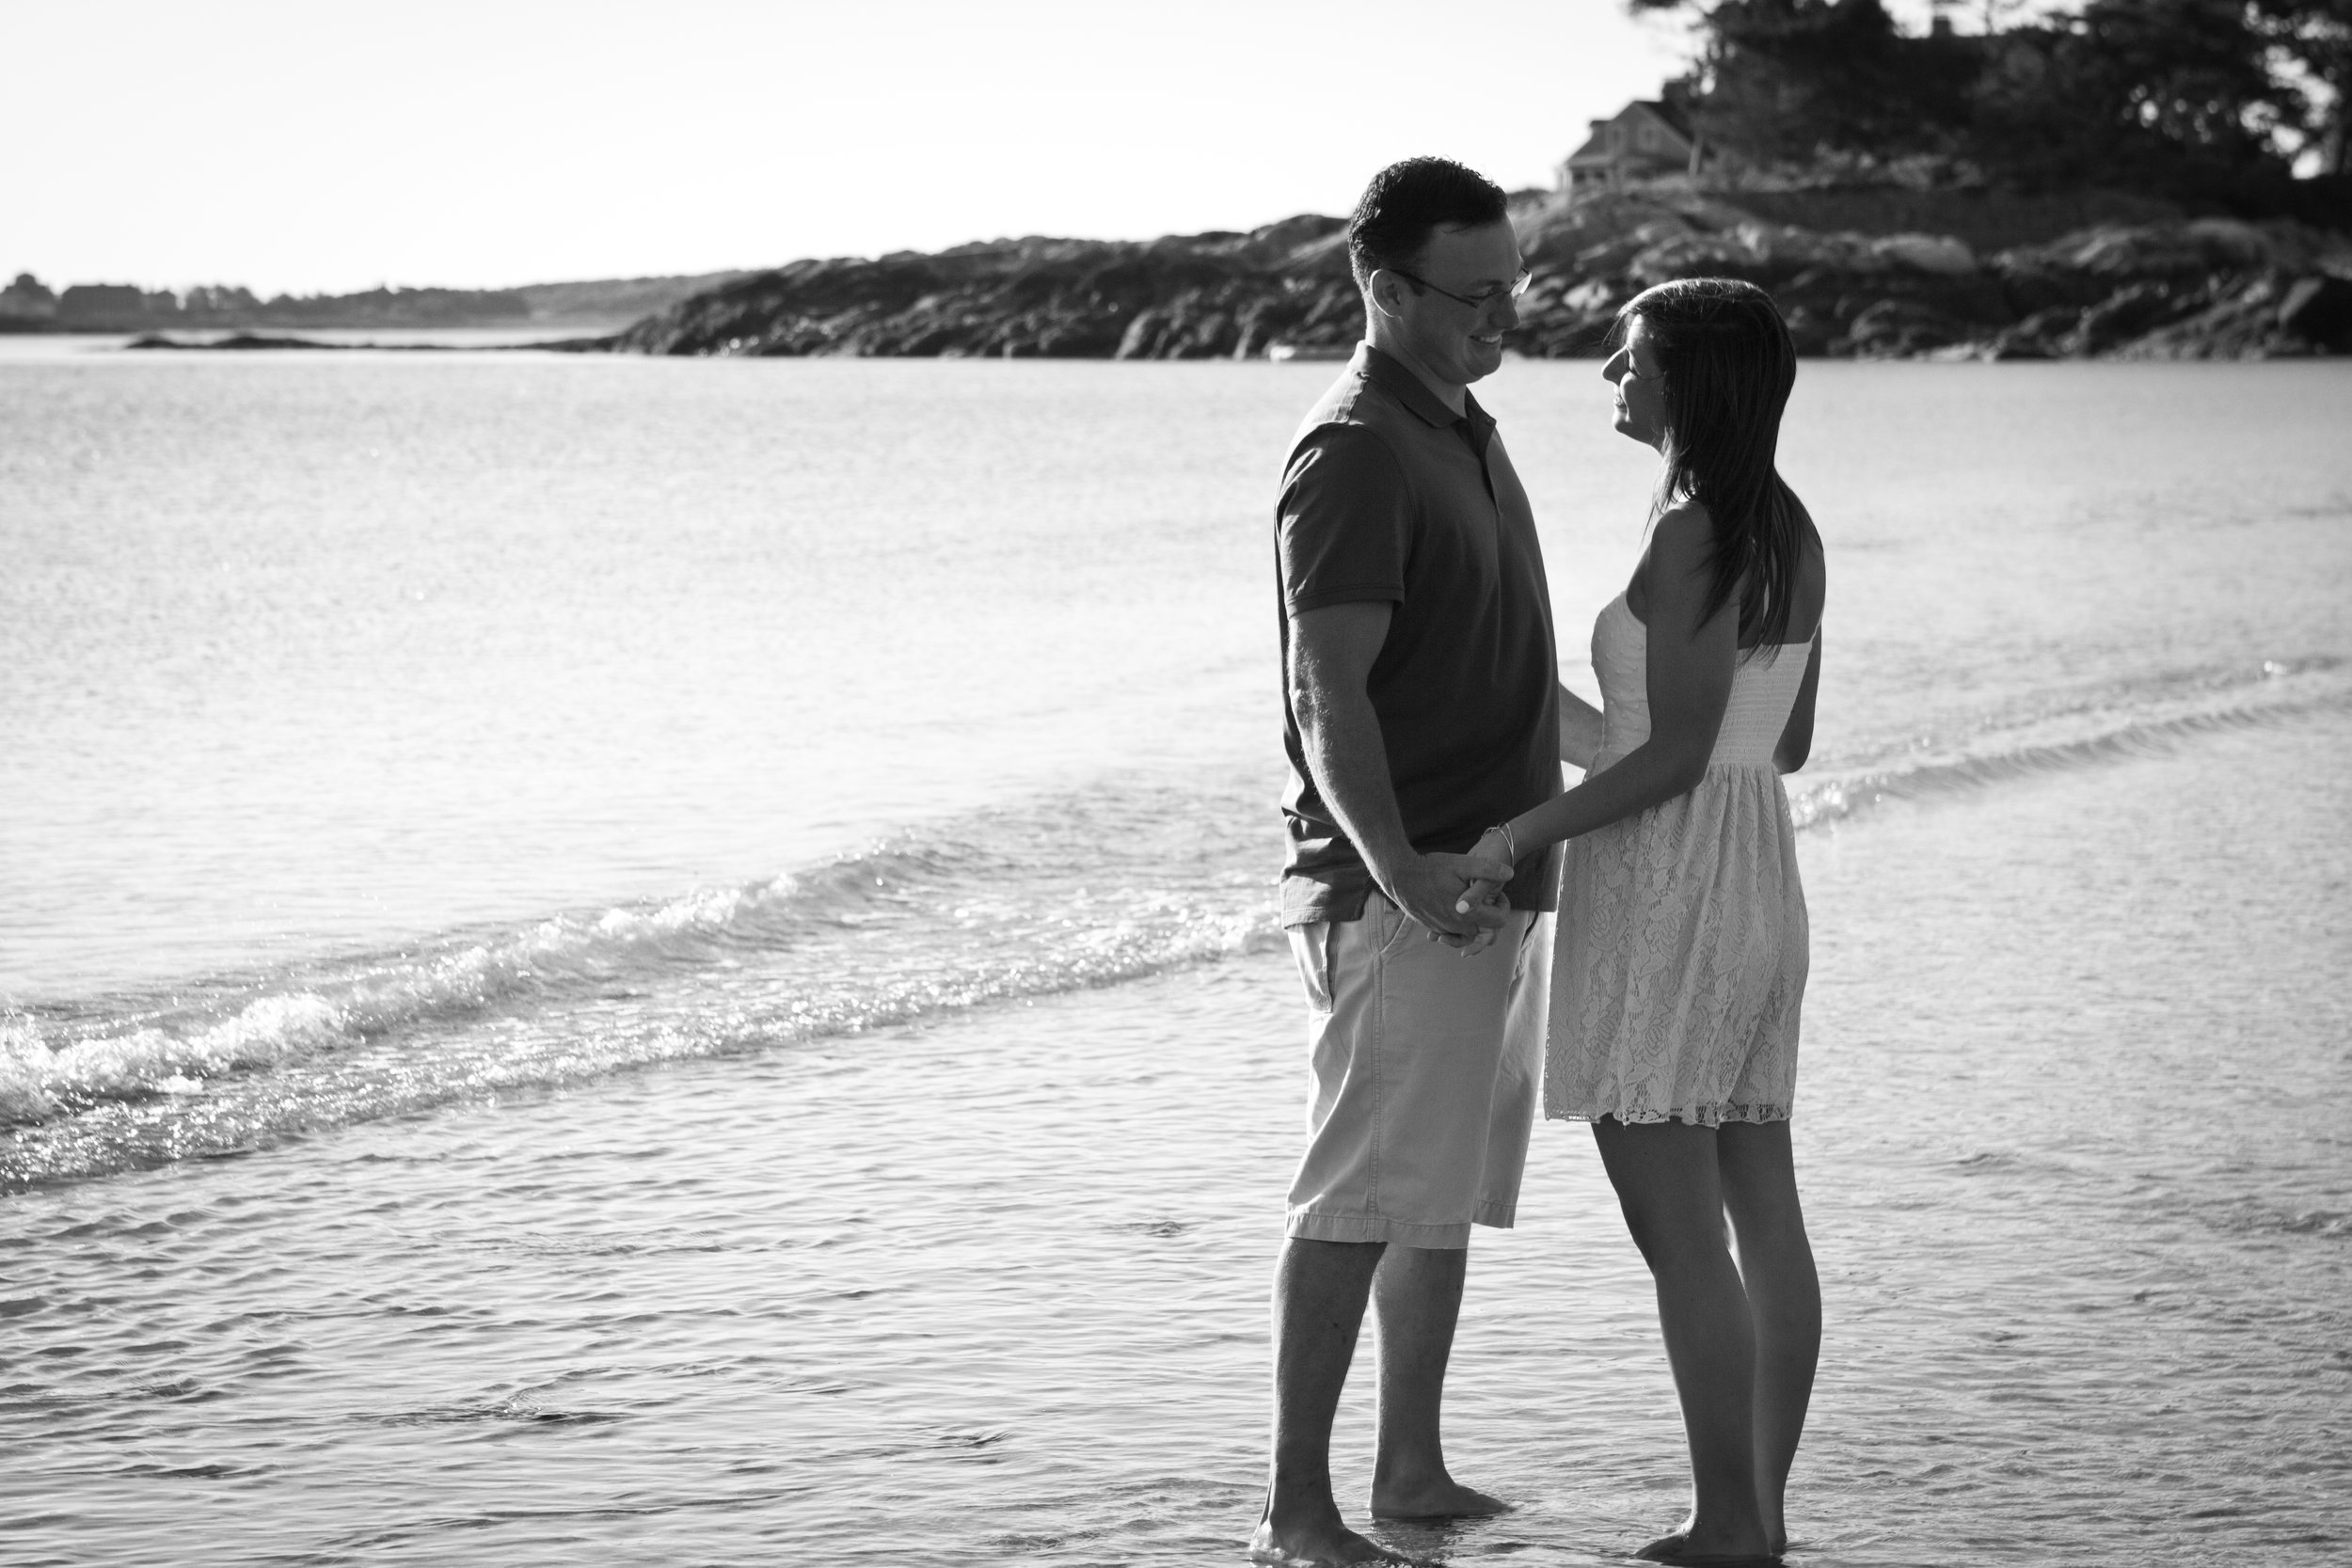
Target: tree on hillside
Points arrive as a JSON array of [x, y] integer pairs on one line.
[[2172, 95], [2310, 48], [2209, 100], [1779, 81]]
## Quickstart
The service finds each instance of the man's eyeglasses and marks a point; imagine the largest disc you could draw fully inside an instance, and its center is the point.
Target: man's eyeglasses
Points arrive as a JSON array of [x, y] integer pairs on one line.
[[1476, 302]]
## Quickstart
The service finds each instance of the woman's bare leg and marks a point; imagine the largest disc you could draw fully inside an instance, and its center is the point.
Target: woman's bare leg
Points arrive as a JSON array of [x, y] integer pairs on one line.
[[1668, 1186], [1760, 1184]]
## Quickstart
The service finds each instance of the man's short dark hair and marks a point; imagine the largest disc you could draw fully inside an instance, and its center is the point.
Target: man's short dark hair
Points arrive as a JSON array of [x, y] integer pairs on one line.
[[1408, 201]]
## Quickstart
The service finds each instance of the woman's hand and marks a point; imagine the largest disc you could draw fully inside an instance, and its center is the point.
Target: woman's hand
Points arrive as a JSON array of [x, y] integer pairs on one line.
[[1493, 844]]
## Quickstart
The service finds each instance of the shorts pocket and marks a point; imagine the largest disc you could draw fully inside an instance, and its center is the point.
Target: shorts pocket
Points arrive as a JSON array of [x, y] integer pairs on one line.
[[1387, 925], [1310, 945]]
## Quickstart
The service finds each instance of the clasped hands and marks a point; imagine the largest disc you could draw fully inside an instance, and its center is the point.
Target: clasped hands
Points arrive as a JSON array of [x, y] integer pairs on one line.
[[1457, 898]]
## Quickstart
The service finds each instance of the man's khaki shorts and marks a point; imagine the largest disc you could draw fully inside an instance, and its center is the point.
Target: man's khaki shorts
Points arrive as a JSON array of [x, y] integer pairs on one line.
[[1425, 1068]]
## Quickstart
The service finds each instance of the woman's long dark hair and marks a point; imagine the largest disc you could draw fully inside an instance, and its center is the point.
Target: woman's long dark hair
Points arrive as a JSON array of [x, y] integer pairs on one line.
[[1728, 365]]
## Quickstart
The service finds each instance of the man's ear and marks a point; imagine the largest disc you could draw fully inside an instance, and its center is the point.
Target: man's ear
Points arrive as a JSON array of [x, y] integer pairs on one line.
[[1384, 294]]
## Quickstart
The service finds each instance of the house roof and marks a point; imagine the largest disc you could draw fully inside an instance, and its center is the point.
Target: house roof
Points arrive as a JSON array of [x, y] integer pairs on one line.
[[1597, 150]]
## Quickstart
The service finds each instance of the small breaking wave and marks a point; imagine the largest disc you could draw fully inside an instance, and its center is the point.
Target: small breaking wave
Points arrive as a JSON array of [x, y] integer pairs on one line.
[[1077, 891], [1090, 888], [63, 1069], [2149, 719]]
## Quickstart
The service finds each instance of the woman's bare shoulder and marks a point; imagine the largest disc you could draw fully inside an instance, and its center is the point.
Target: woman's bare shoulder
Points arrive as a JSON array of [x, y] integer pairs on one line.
[[1682, 542], [1687, 514]]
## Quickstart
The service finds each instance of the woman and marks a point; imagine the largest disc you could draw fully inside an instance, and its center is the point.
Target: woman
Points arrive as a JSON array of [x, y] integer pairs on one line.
[[1680, 957]]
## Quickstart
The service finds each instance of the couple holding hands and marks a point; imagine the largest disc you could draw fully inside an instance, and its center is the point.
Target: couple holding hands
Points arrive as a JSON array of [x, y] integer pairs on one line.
[[1466, 929]]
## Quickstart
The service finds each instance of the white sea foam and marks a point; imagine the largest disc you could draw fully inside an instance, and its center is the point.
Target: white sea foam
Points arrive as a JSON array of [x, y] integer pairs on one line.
[[1001, 905], [994, 907], [2148, 717]]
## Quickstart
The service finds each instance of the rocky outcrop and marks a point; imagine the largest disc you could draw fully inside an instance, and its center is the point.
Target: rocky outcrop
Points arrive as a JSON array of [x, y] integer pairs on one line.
[[1214, 295], [2210, 288], [2172, 288]]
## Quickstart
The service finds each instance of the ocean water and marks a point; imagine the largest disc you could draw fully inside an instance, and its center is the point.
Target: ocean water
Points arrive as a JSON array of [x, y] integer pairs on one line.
[[654, 961]]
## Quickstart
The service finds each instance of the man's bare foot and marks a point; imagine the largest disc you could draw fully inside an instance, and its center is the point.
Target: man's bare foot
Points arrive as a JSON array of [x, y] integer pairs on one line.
[[1329, 1544], [1441, 1499]]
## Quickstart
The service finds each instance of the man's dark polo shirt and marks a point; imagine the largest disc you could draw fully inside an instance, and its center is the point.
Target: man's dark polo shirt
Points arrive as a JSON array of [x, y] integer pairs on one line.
[[1390, 496]]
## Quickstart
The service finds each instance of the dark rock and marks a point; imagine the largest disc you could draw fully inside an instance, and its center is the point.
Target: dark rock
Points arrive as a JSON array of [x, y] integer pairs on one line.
[[1701, 256], [1899, 329], [2240, 322], [2318, 310], [2126, 315], [1141, 340], [2031, 283], [1822, 290], [1810, 331], [2040, 336]]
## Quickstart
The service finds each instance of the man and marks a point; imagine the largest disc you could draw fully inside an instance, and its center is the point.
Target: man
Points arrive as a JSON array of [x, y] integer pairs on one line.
[[1422, 691]]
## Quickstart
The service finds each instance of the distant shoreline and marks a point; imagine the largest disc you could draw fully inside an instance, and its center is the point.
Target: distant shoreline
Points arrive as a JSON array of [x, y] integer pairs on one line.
[[30, 307], [1860, 271], [239, 343]]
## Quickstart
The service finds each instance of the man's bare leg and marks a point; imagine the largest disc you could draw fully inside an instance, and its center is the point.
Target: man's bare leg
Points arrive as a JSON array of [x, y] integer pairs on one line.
[[1416, 1301], [1320, 1289]]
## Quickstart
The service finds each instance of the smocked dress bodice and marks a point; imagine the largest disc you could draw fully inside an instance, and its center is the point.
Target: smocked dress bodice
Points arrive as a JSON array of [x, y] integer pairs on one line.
[[1763, 693], [1680, 951]]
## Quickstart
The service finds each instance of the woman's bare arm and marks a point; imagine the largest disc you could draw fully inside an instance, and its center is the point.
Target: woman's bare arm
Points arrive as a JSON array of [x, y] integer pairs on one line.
[[1796, 740], [1690, 669]]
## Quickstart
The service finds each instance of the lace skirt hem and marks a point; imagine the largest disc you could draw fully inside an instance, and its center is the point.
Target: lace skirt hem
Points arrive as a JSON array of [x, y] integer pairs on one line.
[[1700, 1115]]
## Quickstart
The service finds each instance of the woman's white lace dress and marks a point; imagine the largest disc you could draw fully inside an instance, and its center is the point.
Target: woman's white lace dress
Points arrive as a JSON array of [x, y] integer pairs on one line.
[[1681, 944]]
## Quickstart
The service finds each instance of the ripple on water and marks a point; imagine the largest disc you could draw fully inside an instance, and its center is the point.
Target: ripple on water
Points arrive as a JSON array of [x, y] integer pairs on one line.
[[995, 1288]]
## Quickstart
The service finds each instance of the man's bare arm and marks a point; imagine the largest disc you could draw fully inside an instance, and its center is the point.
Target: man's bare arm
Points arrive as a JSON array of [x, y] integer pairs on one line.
[[1331, 653]]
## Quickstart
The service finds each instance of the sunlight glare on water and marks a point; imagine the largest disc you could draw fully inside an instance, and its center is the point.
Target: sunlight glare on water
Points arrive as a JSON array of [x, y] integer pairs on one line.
[[650, 962], [994, 1290]]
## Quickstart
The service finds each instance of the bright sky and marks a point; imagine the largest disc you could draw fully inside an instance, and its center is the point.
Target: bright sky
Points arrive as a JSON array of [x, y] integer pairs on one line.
[[327, 147]]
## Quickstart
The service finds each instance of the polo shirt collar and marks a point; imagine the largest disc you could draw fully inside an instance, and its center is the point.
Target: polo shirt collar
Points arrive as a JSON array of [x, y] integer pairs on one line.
[[1384, 372]]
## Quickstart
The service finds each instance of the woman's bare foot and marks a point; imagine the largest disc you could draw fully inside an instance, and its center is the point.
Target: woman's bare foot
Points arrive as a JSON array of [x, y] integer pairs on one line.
[[1677, 1548], [1441, 1499], [1327, 1543]]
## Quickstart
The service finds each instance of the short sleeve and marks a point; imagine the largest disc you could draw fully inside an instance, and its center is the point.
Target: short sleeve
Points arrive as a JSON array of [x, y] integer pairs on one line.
[[1343, 521]]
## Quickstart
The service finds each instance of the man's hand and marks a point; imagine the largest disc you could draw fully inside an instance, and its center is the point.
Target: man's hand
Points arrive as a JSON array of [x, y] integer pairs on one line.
[[1430, 890]]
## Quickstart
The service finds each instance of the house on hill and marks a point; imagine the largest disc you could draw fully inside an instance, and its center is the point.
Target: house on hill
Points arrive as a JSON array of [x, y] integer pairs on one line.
[[26, 304], [1640, 141]]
